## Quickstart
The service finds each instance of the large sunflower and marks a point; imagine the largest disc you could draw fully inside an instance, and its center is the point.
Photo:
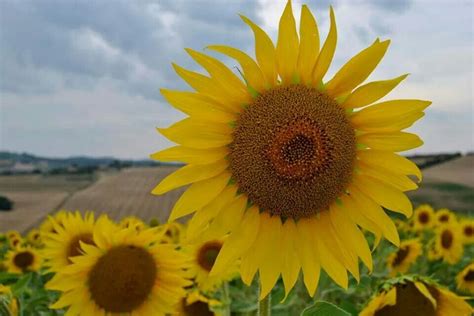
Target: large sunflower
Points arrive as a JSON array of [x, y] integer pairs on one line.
[[401, 260], [415, 296], [203, 255], [449, 244], [423, 217], [465, 279], [23, 259], [287, 163], [64, 243], [125, 272]]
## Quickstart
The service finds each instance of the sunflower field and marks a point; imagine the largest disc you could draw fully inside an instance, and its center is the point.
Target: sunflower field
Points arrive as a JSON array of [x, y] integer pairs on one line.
[[289, 180]]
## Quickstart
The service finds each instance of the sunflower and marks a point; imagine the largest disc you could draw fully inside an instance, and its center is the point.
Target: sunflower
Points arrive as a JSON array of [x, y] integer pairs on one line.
[[445, 216], [173, 232], [465, 279], [448, 243], [23, 259], [287, 163], [12, 234], [34, 238], [423, 217], [47, 226], [15, 242], [8, 301], [132, 221], [401, 260], [467, 228], [196, 304], [64, 243], [415, 296], [203, 255], [124, 272]]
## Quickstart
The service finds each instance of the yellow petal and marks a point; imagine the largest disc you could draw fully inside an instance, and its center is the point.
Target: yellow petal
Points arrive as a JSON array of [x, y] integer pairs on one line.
[[385, 195], [308, 254], [327, 52], [228, 219], [357, 69], [309, 45], [198, 105], [249, 266], [252, 73], [190, 174], [220, 73], [390, 115], [371, 92], [350, 235], [198, 195], [190, 155], [291, 264], [287, 46], [368, 208], [270, 266], [238, 242], [398, 181], [200, 134], [210, 87], [389, 161], [395, 141], [203, 216], [424, 290], [264, 51]]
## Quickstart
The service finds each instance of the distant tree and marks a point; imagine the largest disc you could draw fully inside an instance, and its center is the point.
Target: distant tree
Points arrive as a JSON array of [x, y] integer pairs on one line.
[[5, 204]]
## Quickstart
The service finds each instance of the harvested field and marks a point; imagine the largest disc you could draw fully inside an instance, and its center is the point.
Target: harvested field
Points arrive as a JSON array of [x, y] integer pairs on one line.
[[127, 193], [460, 170]]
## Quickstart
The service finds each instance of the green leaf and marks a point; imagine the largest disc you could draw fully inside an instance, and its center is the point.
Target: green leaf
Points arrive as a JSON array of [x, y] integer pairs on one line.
[[22, 284], [321, 308]]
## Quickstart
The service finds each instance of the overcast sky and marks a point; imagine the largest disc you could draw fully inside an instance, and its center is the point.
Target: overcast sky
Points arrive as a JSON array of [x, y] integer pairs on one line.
[[82, 77]]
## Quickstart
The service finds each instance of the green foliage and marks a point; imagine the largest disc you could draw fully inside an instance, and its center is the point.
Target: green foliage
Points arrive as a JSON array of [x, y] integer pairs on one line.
[[322, 308]]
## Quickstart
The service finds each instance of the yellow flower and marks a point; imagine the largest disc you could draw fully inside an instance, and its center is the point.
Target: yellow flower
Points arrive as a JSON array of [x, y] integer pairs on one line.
[[47, 226], [197, 304], [132, 221], [287, 163], [125, 272], [13, 234], [448, 243], [416, 297], [34, 238], [12, 303], [445, 216], [64, 243], [401, 260], [423, 217], [203, 256], [23, 259], [15, 242], [465, 279], [467, 229], [174, 232]]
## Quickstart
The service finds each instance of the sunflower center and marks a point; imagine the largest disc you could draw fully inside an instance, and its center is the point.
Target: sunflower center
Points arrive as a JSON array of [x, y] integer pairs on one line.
[[469, 277], [446, 239], [23, 260], [196, 309], [74, 248], [207, 254], [409, 302], [468, 231], [423, 218], [402, 253], [293, 151], [443, 218], [122, 279]]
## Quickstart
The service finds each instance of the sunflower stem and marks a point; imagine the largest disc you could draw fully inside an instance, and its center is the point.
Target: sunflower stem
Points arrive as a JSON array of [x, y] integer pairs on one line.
[[226, 298], [265, 306]]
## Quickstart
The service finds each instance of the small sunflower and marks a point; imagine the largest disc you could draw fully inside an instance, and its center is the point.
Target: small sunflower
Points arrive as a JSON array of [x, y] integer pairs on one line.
[[401, 260], [445, 216], [448, 243], [467, 229], [465, 279], [34, 238], [8, 300], [125, 272], [23, 259], [12, 234], [15, 242], [203, 256], [423, 217], [132, 221], [415, 296], [196, 304], [64, 243], [287, 163], [174, 232], [47, 226]]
